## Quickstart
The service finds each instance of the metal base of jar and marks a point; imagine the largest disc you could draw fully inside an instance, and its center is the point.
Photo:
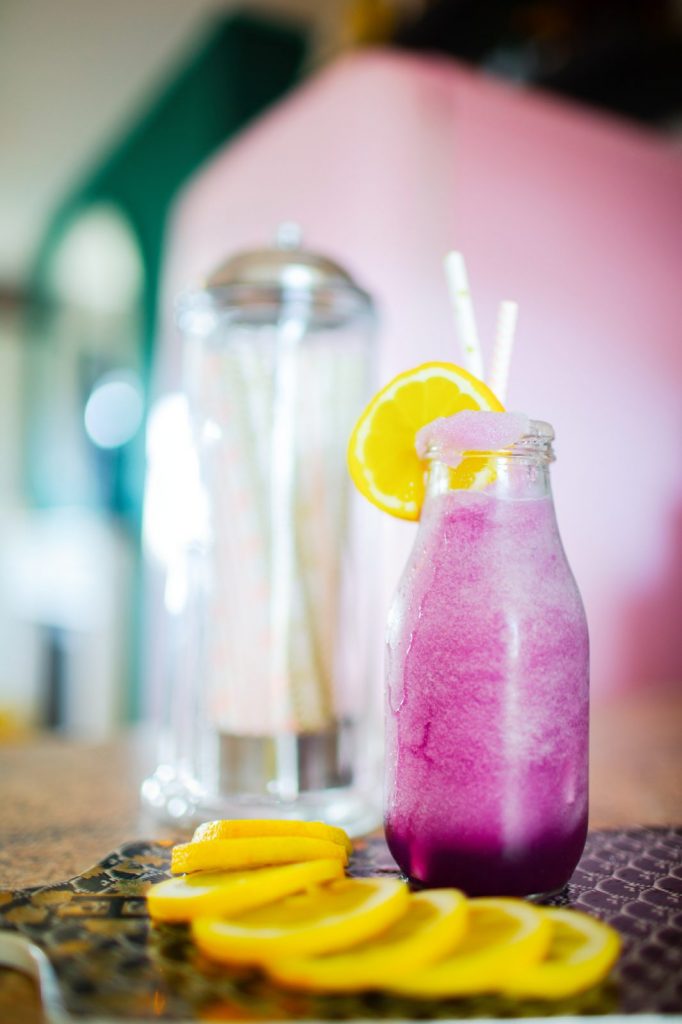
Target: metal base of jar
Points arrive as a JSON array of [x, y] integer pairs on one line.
[[287, 765], [304, 776]]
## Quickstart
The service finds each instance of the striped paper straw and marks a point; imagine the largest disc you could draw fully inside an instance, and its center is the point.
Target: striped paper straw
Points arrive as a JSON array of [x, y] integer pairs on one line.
[[463, 308]]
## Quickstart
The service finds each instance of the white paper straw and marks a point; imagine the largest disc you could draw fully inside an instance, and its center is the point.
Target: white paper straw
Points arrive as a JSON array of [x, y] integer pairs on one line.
[[502, 350], [463, 307], [282, 510], [282, 530]]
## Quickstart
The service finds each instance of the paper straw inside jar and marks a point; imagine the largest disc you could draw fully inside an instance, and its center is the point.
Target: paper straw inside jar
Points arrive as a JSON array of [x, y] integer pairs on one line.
[[281, 512], [239, 608], [322, 506], [298, 690]]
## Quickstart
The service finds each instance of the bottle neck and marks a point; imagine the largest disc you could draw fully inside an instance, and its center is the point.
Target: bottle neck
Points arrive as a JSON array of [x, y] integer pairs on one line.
[[520, 472], [492, 475]]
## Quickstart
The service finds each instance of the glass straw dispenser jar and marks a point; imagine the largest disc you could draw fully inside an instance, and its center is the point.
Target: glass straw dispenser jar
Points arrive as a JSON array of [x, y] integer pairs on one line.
[[271, 708]]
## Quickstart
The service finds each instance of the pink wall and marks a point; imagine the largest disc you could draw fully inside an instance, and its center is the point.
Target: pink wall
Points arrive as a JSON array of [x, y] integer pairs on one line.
[[389, 160]]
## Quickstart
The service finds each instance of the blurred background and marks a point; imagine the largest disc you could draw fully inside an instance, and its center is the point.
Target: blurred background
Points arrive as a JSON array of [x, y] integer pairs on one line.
[[107, 111]]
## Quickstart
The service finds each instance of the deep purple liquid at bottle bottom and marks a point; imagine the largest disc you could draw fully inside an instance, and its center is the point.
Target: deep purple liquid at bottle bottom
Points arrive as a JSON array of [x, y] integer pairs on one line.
[[545, 867], [487, 704]]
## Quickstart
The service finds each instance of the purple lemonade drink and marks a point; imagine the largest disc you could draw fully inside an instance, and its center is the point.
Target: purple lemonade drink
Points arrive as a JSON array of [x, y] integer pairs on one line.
[[487, 678]]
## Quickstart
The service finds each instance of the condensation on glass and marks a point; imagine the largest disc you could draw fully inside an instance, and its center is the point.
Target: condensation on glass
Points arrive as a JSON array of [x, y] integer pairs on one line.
[[271, 705]]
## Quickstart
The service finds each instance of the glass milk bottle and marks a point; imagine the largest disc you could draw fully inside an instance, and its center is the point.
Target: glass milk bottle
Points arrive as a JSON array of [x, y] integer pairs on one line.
[[487, 688], [272, 708]]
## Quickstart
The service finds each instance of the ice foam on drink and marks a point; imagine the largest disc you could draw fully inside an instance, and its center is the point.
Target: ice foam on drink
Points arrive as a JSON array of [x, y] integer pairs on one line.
[[470, 431]]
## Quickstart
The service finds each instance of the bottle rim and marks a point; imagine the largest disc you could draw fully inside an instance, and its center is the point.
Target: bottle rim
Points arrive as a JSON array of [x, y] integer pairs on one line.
[[535, 445]]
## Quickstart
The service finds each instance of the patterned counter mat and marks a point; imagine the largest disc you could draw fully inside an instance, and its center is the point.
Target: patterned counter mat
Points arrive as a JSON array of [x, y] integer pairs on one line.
[[110, 961]]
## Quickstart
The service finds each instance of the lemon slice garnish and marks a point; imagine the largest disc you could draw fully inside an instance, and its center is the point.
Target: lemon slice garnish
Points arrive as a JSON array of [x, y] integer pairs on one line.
[[247, 828], [502, 936], [232, 892], [382, 459], [261, 851], [581, 953], [322, 920], [433, 924]]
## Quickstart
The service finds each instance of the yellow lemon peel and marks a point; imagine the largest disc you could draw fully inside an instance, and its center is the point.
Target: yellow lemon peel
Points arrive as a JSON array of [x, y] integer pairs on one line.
[[233, 892], [248, 828], [382, 459], [323, 920], [261, 851], [581, 953], [503, 935], [432, 925]]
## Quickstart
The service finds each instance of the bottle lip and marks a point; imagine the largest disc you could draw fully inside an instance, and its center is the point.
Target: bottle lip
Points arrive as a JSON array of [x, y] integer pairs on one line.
[[533, 445]]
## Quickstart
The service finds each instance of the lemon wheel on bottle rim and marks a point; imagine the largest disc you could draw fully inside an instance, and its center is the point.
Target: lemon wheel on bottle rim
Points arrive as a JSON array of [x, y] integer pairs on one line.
[[382, 459]]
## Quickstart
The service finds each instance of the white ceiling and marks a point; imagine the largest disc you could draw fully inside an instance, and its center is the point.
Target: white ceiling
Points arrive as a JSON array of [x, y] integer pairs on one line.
[[73, 74]]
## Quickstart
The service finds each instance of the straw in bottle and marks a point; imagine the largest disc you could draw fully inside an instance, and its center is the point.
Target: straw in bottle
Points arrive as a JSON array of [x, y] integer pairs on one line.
[[502, 351], [463, 307]]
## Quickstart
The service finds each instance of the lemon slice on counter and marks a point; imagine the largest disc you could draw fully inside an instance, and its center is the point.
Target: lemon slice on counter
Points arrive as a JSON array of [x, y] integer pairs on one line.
[[232, 892], [432, 925], [502, 936], [321, 920], [247, 828], [261, 851], [382, 459], [581, 953]]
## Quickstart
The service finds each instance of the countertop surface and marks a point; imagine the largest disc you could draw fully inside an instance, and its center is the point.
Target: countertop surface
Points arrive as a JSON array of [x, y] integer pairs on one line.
[[65, 804]]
